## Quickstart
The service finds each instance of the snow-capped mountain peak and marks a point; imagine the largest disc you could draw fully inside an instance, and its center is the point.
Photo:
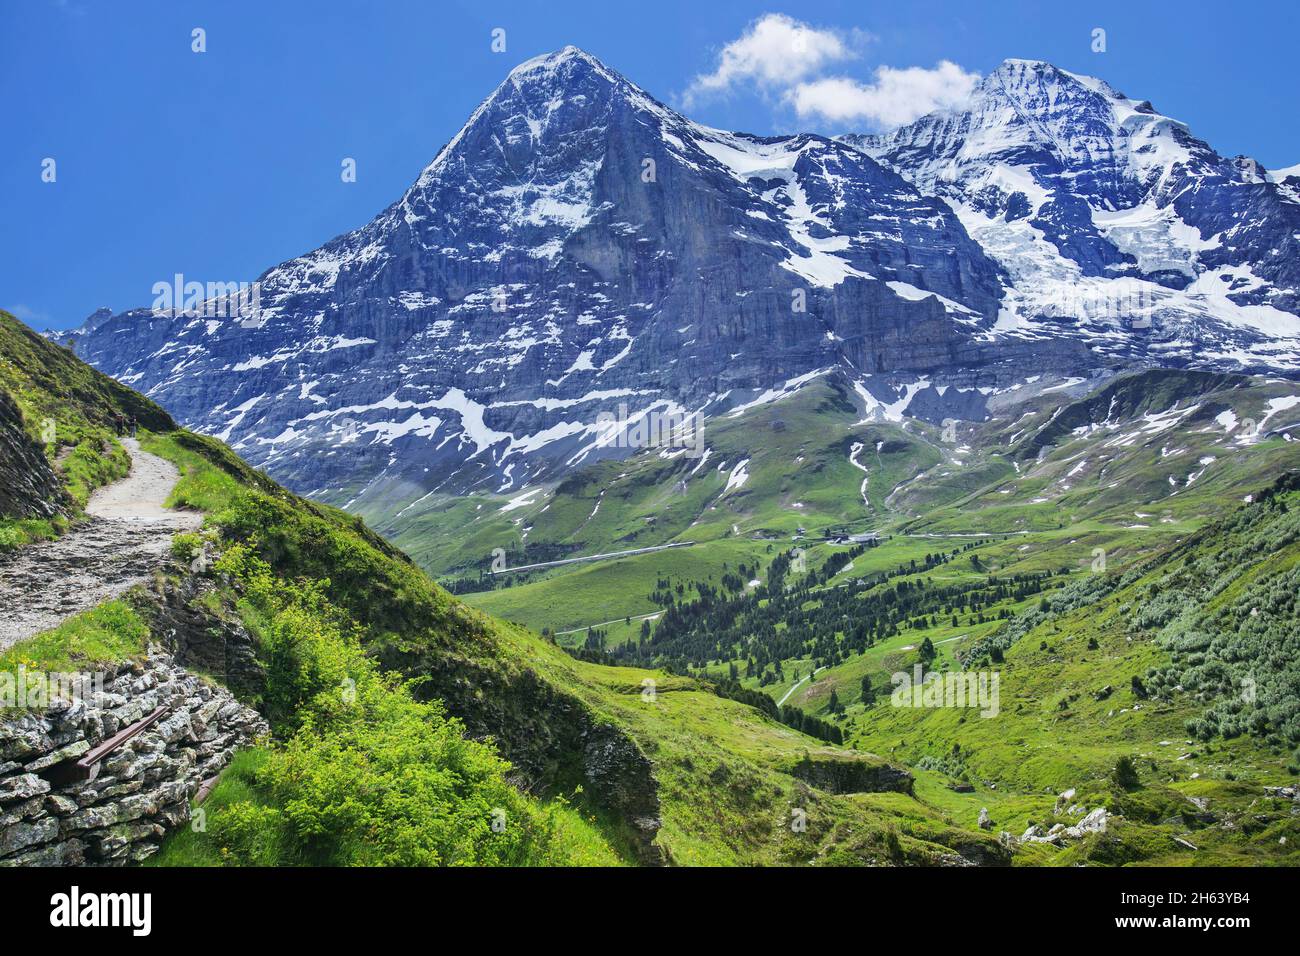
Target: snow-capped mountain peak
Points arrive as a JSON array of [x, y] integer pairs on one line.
[[579, 251], [575, 248], [1111, 218]]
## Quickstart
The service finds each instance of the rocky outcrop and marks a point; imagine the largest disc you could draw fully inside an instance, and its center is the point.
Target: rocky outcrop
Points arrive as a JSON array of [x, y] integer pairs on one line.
[[973, 852], [183, 621], [29, 487], [622, 778], [141, 791], [853, 775], [1095, 822]]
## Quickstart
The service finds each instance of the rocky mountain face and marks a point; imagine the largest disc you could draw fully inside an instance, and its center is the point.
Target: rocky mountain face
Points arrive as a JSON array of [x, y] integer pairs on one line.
[[29, 488], [580, 257], [1115, 225]]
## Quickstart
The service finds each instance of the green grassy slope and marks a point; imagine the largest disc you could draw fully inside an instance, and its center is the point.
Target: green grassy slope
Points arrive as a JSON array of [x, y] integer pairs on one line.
[[66, 410], [799, 475], [1114, 486], [618, 764], [704, 755], [1124, 484], [1070, 706]]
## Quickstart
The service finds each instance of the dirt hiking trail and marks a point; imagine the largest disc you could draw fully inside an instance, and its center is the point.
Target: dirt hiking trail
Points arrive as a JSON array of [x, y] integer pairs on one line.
[[125, 539]]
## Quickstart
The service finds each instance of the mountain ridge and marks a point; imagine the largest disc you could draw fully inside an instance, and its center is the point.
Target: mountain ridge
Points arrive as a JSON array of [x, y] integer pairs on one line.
[[1071, 185], [578, 246]]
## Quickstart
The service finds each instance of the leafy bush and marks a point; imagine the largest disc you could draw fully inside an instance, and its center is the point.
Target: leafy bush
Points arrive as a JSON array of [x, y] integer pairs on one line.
[[365, 774], [18, 532], [186, 546], [94, 461]]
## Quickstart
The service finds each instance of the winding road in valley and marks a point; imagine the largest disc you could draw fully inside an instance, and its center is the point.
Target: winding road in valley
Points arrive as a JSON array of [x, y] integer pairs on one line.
[[794, 688], [617, 620], [596, 557]]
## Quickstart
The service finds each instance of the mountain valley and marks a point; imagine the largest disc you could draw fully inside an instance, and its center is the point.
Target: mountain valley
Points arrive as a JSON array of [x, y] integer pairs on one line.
[[634, 492]]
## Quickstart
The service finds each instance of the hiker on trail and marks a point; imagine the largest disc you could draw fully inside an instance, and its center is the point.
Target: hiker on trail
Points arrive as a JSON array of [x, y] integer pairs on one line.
[[119, 424], [134, 426]]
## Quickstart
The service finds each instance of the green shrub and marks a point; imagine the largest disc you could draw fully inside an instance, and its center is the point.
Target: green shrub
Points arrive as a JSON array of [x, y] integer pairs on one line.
[[362, 772], [94, 461], [186, 546], [365, 774], [1125, 774]]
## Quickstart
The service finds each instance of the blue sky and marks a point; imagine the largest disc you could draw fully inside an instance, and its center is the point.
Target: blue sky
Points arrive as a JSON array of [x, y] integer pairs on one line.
[[220, 164]]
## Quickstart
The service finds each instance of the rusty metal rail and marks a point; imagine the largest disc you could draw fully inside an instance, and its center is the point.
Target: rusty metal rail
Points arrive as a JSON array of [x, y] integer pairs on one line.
[[86, 767]]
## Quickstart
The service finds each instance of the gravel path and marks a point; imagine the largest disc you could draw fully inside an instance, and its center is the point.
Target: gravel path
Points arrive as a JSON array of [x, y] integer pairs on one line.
[[123, 542]]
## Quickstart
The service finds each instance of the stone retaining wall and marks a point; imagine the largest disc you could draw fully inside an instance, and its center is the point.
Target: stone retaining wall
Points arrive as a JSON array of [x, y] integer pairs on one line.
[[142, 791]]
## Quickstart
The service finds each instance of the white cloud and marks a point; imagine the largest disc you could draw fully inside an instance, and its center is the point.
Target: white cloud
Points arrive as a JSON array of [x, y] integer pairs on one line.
[[895, 97], [775, 51]]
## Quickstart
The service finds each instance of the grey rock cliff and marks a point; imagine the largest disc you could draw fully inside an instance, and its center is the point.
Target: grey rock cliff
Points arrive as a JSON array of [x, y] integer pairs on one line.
[[29, 488]]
